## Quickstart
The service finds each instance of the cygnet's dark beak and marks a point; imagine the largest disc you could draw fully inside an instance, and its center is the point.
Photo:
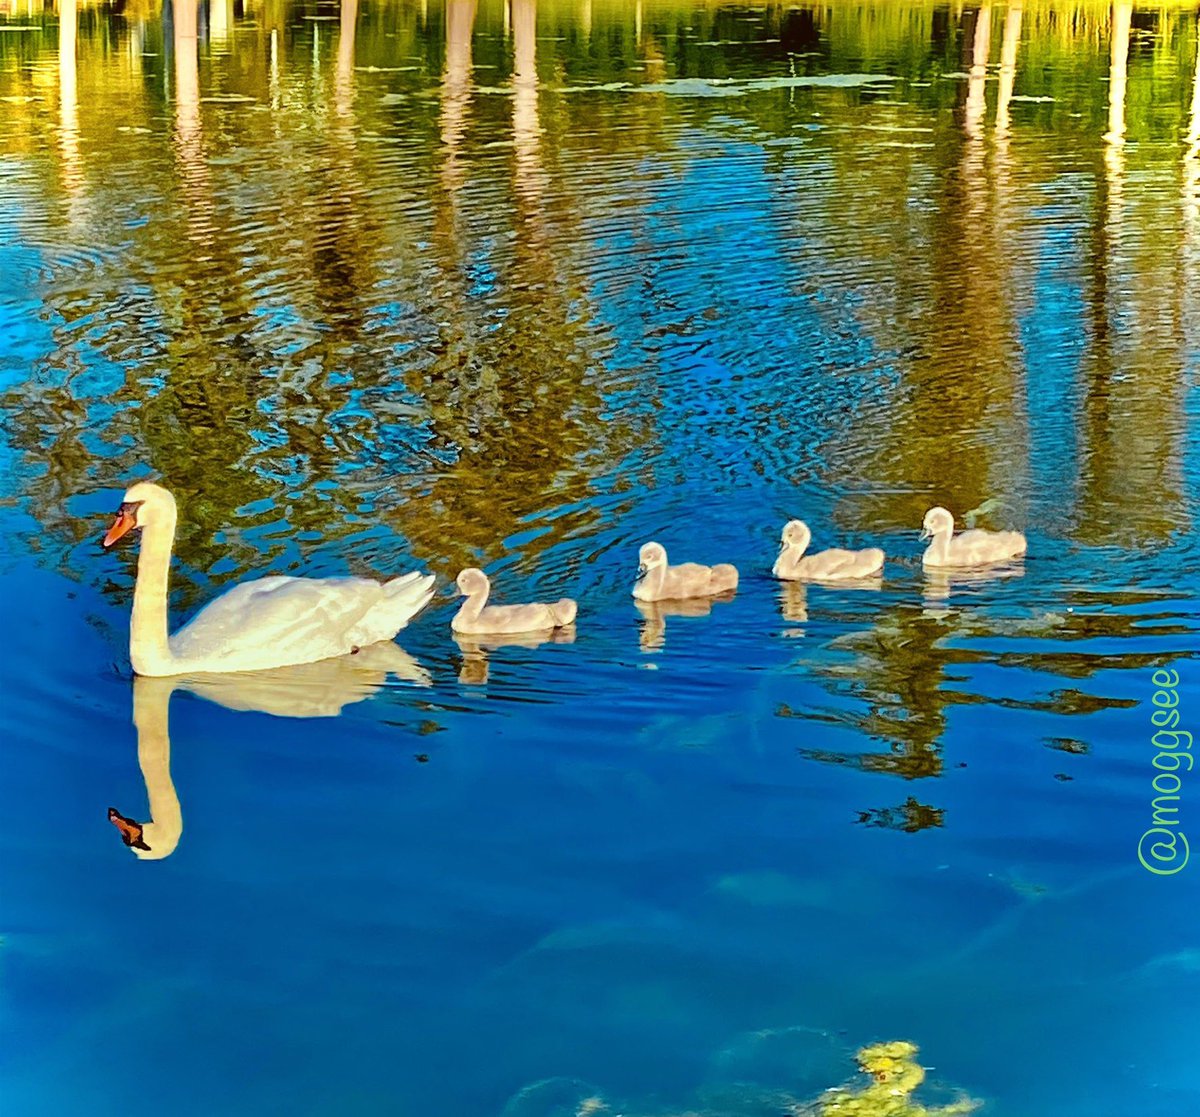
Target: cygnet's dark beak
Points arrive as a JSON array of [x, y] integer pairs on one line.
[[641, 572], [925, 532]]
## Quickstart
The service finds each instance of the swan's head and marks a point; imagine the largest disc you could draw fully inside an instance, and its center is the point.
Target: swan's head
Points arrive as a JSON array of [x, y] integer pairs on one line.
[[936, 521], [650, 557], [795, 534], [472, 581], [143, 504], [148, 840]]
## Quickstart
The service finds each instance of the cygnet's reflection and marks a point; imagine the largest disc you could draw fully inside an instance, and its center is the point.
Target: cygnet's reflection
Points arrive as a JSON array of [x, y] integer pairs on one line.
[[654, 613], [475, 649], [941, 582], [793, 602], [793, 596], [307, 690]]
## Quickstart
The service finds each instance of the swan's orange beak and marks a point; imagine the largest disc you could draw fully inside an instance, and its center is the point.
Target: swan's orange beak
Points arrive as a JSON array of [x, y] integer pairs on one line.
[[125, 522]]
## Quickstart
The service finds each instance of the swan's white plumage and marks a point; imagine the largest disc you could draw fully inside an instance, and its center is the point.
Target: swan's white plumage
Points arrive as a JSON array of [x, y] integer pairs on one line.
[[277, 621], [254, 624]]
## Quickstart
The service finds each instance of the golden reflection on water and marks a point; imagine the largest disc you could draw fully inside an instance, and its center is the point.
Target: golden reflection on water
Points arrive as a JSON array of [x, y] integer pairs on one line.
[[371, 282]]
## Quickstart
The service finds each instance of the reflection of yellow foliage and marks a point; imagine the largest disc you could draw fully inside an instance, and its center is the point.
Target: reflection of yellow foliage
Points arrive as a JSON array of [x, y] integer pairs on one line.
[[896, 1074]]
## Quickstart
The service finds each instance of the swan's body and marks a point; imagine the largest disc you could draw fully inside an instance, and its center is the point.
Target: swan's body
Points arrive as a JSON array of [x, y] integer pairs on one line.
[[276, 621], [478, 618], [969, 548], [825, 566], [658, 581]]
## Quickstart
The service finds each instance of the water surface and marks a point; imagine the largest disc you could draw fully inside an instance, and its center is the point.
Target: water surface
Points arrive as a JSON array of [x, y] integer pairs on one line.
[[380, 286]]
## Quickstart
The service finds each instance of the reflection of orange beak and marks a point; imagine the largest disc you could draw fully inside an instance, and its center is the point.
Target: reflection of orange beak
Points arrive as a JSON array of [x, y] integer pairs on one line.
[[124, 523], [131, 832]]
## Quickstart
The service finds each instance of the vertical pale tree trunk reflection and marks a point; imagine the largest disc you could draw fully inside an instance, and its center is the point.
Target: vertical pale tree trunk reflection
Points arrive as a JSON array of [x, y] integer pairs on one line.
[[1131, 424], [977, 80], [68, 103], [526, 127], [1008, 68], [343, 87]]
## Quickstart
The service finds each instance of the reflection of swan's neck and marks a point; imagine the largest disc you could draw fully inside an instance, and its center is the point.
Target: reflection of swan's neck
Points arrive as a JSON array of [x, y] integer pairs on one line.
[[151, 702], [148, 649]]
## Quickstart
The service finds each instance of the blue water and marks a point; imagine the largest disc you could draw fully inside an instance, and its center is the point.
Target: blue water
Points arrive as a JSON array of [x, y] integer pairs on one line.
[[680, 863]]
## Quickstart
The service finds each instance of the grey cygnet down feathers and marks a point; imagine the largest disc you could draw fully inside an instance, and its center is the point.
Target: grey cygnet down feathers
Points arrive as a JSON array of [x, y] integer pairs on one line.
[[658, 581], [969, 548], [794, 565], [477, 618]]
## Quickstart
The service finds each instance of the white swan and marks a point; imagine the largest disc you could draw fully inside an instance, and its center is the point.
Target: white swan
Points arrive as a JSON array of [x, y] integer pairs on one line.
[[276, 621], [827, 566], [969, 548]]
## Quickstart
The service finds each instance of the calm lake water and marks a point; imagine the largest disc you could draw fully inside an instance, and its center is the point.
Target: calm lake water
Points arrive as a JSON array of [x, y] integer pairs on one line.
[[405, 284]]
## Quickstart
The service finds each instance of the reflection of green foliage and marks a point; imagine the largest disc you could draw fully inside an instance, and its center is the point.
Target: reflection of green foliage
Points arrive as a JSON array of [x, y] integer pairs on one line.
[[910, 816], [293, 326]]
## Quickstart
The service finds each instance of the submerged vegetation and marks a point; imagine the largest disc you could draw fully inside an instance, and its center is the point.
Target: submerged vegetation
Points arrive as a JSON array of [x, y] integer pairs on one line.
[[895, 1075]]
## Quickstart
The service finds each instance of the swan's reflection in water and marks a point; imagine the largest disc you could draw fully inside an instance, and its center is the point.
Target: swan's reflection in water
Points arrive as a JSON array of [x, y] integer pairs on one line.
[[476, 649], [306, 690], [654, 613], [793, 596]]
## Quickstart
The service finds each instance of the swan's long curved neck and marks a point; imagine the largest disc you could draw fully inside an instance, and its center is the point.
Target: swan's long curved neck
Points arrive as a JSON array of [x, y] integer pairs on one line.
[[149, 652]]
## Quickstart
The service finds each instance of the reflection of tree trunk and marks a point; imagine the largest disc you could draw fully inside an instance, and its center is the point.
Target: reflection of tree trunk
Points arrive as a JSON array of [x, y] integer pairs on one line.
[[1191, 216], [1118, 71], [1191, 160], [68, 101], [1008, 68], [189, 138], [219, 21], [1131, 416], [977, 80], [344, 82], [456, 88], [526, 128]]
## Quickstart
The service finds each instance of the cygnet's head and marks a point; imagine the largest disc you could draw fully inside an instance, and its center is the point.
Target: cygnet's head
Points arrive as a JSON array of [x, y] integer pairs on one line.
[[472, 581], [142, 504], [936, 520], [796, 534], [650, 556]]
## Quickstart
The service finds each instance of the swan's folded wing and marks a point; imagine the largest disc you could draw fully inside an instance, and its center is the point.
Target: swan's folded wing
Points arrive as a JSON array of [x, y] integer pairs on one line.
[[312, 615]]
